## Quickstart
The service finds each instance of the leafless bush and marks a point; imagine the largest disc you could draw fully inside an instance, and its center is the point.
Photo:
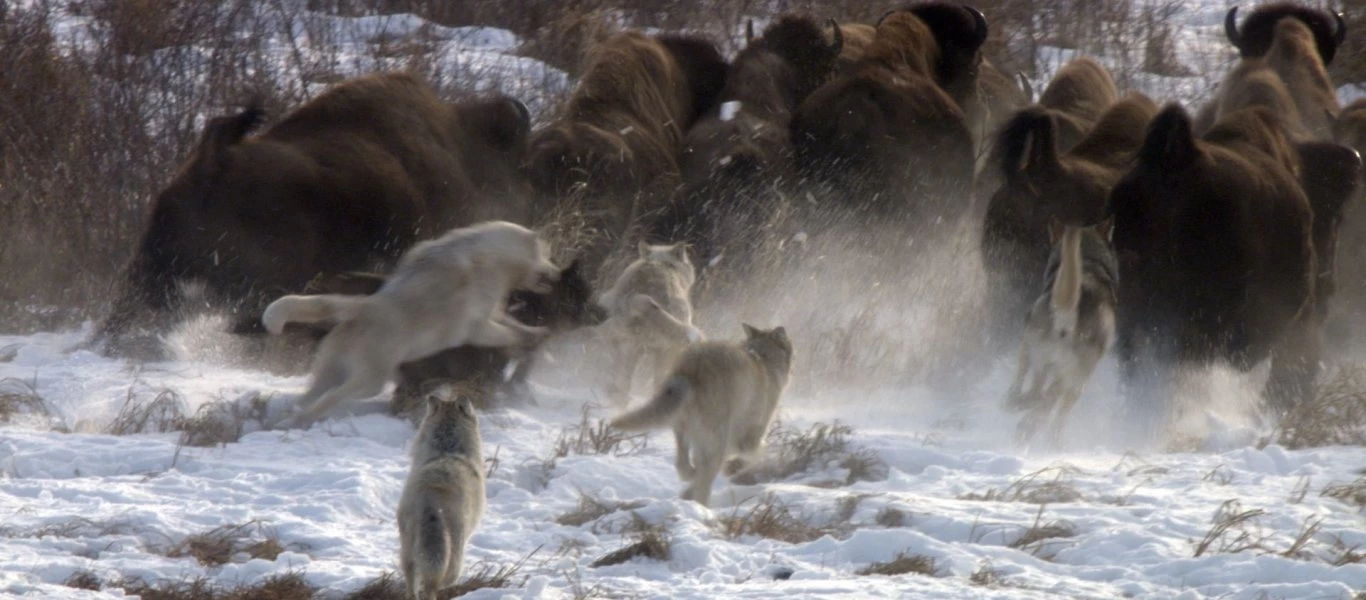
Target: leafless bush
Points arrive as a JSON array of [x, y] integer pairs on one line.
[[19, 397], [1033, 488], [1336, 415], [222, 421], [770, 518], [901, 564], [289, 586], [1351, 493], [162, 413], [388, 586]]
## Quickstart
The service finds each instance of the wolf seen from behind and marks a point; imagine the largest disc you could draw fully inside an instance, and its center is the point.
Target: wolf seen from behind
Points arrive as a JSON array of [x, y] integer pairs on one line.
[[719, 398], [443, 499], [665, 275], [1070, 327]]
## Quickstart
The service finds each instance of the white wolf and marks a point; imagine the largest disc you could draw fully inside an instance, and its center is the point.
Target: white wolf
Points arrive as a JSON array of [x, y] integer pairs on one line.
[[443, 499], [664, 275], [445, 292], [1070, 327], [719, 398]]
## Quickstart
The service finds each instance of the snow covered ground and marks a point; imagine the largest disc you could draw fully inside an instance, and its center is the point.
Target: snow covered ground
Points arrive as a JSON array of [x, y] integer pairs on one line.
[[1102, 517]]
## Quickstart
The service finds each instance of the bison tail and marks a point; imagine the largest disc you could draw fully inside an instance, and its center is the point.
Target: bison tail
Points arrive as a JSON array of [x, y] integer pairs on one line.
[[310, 309], [660, 410]]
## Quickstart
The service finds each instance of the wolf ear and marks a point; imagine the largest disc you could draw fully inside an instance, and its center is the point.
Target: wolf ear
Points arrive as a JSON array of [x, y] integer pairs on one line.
[[643, 248], [466, 406], [781, 332], [434, 401], [680, 252], [750, 330], [1055, 229]]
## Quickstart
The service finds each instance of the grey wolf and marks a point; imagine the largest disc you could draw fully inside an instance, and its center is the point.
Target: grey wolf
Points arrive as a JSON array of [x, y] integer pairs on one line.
[[719, 398], [1069, 329], [443, 499], [348, 181], [665, 275], [445, 292]]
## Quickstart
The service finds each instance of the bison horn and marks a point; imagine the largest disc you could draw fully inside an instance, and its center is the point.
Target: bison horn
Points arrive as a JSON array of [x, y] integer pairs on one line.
[[1340, 34], [884, 17], [837, 41], [980, 21], [749, 31], [1231, 28], [522, 111], [1025, 86]]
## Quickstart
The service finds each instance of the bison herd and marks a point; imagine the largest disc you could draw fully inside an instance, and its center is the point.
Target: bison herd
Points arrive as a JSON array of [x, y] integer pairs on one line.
[[1226, 224]]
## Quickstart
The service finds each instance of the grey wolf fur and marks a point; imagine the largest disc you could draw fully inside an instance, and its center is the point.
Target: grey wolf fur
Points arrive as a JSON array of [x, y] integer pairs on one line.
[[1070, 327], [665, 275], [443, 499], [445, 292], [719, 399]]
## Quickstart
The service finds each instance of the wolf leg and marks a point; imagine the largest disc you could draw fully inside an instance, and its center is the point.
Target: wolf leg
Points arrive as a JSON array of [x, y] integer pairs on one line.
[[707, 463], [1069, 399], [683, 457], [622, 358], [359, 385]]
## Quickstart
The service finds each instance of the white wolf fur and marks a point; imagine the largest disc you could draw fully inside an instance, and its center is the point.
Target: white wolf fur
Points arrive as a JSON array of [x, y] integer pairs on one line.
[[443, 499], [1065, 336], [445, 292], [719, 399], [664, 275]]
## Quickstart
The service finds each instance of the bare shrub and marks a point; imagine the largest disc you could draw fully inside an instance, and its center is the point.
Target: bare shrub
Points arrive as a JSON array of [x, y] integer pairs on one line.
[[646, 540], [822, 446], [388, 586], [770, 518], [1233, 530], [1034, 539], [83, 580], [1336, 415], [901, 564], [1033, 488], [162, 413], [221, 422], [289, 586], [590, 437]]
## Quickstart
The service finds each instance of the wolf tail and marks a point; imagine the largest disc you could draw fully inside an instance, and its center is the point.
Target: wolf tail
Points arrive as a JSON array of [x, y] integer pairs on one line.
[[311, 309], [660, 410], [433, 553]]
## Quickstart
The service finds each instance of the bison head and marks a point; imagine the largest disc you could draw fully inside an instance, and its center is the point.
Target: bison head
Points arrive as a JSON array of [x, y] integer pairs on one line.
[[1259, 29], [959, 31]]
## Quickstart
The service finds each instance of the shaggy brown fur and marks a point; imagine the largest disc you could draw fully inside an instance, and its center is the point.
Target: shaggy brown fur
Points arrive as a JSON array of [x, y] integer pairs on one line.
[[885, 137], [998, 97], [858, 38], [348, 181], [1041, 183], [1257, 34], [732, 158], [1350, 128], [611, 152], [1216, 248]]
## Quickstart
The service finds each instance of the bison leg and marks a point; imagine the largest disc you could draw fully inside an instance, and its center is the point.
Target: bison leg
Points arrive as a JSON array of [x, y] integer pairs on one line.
[[1294, 367]]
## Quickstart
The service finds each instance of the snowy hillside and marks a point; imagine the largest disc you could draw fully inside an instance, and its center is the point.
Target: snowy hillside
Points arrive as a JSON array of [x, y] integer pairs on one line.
[[99, 490]]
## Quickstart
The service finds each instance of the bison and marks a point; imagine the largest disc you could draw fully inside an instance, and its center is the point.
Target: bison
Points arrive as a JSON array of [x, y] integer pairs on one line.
[[347, 181], [1041, 183], [1285, 50], [1217, 245], [610, 156], [887, 135], [734, 158]]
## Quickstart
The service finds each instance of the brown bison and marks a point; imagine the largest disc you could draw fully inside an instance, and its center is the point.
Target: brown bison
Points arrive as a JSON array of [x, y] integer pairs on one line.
[[484, 371], [1217, 246], [733, 158], [348, 181], [857, 39], [611, 153], [887, 137], [1285, 50], [1348, 312], [1041, 183]]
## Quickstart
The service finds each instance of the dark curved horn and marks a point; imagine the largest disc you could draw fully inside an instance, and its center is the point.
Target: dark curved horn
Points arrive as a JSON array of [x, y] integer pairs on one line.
[[837, 43], [1025, 86], [749, 31], [884, 17], [522, 111], [1231, 28], [980, 21], [1340, 35]]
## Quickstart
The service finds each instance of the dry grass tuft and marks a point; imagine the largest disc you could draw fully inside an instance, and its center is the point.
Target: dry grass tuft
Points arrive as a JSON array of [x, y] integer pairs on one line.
[[1351, 493], [590, 437], [388, 586], [222, 544], [891, 517], [770, 518], [221, 422], [483, 575], [19, 397], [1336, 415], [83, 580], [1034, 538], [289, 586], [822, 446], [72, 528], [164, 412], [650, 541], [1033, 488], [591, 509], [986, 575], [1233, 530], [901, 564]]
